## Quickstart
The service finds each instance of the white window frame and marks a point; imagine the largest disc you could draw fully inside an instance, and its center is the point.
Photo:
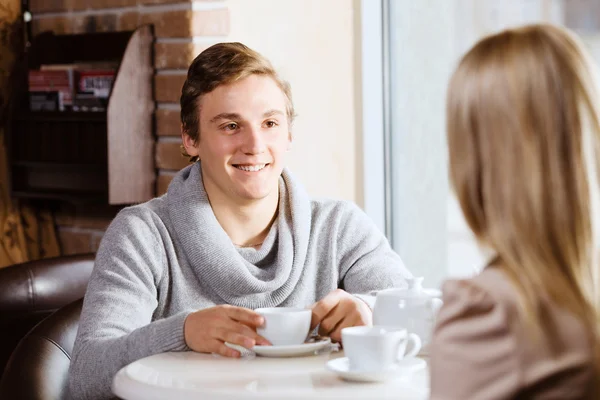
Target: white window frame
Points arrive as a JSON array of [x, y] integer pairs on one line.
[[375, 123]]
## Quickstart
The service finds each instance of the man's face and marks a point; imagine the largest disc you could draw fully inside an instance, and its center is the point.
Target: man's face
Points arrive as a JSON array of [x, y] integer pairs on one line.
[[244, 135]]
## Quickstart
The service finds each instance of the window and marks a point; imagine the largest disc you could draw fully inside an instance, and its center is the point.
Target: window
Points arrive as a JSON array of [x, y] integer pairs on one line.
[[409, 50]]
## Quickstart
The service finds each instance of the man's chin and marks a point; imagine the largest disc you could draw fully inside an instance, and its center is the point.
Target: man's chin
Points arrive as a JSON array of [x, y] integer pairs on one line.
[[256, 194], [253, 196]]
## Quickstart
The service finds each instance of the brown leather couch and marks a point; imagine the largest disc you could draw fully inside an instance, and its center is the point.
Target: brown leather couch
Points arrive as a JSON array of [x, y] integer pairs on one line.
[[30, 292], [39, 366]]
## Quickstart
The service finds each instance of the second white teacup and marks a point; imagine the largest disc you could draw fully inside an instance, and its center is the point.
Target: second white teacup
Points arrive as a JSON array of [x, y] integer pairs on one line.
[[285, 326], [378, 348]]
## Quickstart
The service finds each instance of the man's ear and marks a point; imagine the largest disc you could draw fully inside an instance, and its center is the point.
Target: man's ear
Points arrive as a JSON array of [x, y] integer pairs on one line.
[[190, 145]]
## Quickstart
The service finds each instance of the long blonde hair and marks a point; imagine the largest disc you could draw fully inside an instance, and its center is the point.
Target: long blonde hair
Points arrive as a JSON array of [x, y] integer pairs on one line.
[[524, 138]]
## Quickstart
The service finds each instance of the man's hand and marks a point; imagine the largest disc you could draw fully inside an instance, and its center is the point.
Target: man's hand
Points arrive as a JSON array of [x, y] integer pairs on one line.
[[206, 331], [338, 310]]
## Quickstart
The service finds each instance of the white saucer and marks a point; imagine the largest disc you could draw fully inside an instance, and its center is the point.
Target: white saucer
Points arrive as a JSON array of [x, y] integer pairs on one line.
[[341, 367], [303, 349]]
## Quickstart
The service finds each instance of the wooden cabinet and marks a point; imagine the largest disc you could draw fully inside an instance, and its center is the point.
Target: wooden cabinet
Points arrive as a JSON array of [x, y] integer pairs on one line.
[[102, 157]]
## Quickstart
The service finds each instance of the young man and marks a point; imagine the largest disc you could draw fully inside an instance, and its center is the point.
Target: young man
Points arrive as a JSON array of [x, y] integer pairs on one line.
[[234, 232]]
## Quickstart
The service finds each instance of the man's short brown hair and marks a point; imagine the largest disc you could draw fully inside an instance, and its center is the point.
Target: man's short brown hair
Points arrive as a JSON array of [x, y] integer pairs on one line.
[[222, 64]]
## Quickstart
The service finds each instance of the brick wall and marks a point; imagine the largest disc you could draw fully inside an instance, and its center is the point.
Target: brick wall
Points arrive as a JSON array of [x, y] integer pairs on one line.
[[183, 29]]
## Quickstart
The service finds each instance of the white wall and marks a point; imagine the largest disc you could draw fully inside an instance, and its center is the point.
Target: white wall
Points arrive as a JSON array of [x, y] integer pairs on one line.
[[311, 42]]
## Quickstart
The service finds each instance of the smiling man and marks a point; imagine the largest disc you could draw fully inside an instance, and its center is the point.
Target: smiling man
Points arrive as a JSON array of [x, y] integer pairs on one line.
[[234, 232]]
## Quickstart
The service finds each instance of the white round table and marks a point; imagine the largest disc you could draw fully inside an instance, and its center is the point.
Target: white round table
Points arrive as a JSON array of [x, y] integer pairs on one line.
[[189, 375]]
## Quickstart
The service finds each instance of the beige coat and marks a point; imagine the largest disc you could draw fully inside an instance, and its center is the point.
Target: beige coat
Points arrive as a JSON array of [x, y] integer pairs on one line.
[[482, 350]]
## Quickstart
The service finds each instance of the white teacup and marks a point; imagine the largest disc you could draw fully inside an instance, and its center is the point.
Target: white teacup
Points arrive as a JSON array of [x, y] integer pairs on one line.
[[285, 326], [378, 348]]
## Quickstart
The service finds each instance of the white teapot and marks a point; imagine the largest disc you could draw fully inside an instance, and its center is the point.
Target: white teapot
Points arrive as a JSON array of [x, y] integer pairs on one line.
[[413, 308]]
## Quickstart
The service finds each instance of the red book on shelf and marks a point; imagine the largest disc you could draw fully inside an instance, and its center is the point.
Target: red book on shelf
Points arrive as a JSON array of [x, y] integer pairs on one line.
[[53, 81]]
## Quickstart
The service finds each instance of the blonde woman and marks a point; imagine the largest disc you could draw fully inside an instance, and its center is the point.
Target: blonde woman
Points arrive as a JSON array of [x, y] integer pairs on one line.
[[524, 136]]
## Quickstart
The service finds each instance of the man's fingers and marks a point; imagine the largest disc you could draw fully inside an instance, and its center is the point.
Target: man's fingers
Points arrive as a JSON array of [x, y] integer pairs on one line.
[[206, 330], [324, 306], [330, 321], [261, 341], [336, 335], [339, 318], [225, 351], [244, 315], [233, 332], [343, 315], [239, 339], [218, 347], [251, 333]]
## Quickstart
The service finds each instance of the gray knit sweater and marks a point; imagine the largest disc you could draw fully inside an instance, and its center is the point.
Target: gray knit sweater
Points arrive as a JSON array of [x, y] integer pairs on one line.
[[163, 259]]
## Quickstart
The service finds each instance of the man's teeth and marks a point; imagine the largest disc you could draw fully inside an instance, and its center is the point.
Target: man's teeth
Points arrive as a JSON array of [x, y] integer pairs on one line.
[[251, 168]]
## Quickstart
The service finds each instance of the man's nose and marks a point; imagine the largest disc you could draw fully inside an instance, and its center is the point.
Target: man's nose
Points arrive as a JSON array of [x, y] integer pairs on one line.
[[254, 141]]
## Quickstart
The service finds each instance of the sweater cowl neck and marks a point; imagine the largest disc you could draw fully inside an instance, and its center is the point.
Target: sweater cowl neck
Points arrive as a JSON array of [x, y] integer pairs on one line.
[[244, 277]]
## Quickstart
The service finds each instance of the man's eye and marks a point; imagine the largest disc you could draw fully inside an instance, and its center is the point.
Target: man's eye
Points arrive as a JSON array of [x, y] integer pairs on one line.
[[271, 124], [230, 127]]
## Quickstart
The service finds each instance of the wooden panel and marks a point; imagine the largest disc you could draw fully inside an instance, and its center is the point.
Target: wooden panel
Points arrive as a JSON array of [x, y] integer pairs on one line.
[[130, 112]]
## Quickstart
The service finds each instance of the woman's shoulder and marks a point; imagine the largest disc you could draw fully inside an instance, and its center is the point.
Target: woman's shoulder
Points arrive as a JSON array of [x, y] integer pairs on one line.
[[473, 338], [483, 314], [491, 289], [477, 309], [480, 305]]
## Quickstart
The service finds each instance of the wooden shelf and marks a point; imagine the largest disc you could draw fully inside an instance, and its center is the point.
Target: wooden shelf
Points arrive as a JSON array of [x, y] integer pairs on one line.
[[65, 195], [84, 116], [59, 166], [103, 156]]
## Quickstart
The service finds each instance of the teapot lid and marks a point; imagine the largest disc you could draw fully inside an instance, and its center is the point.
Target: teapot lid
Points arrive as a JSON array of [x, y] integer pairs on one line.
[[415, 289], [415, 283]]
